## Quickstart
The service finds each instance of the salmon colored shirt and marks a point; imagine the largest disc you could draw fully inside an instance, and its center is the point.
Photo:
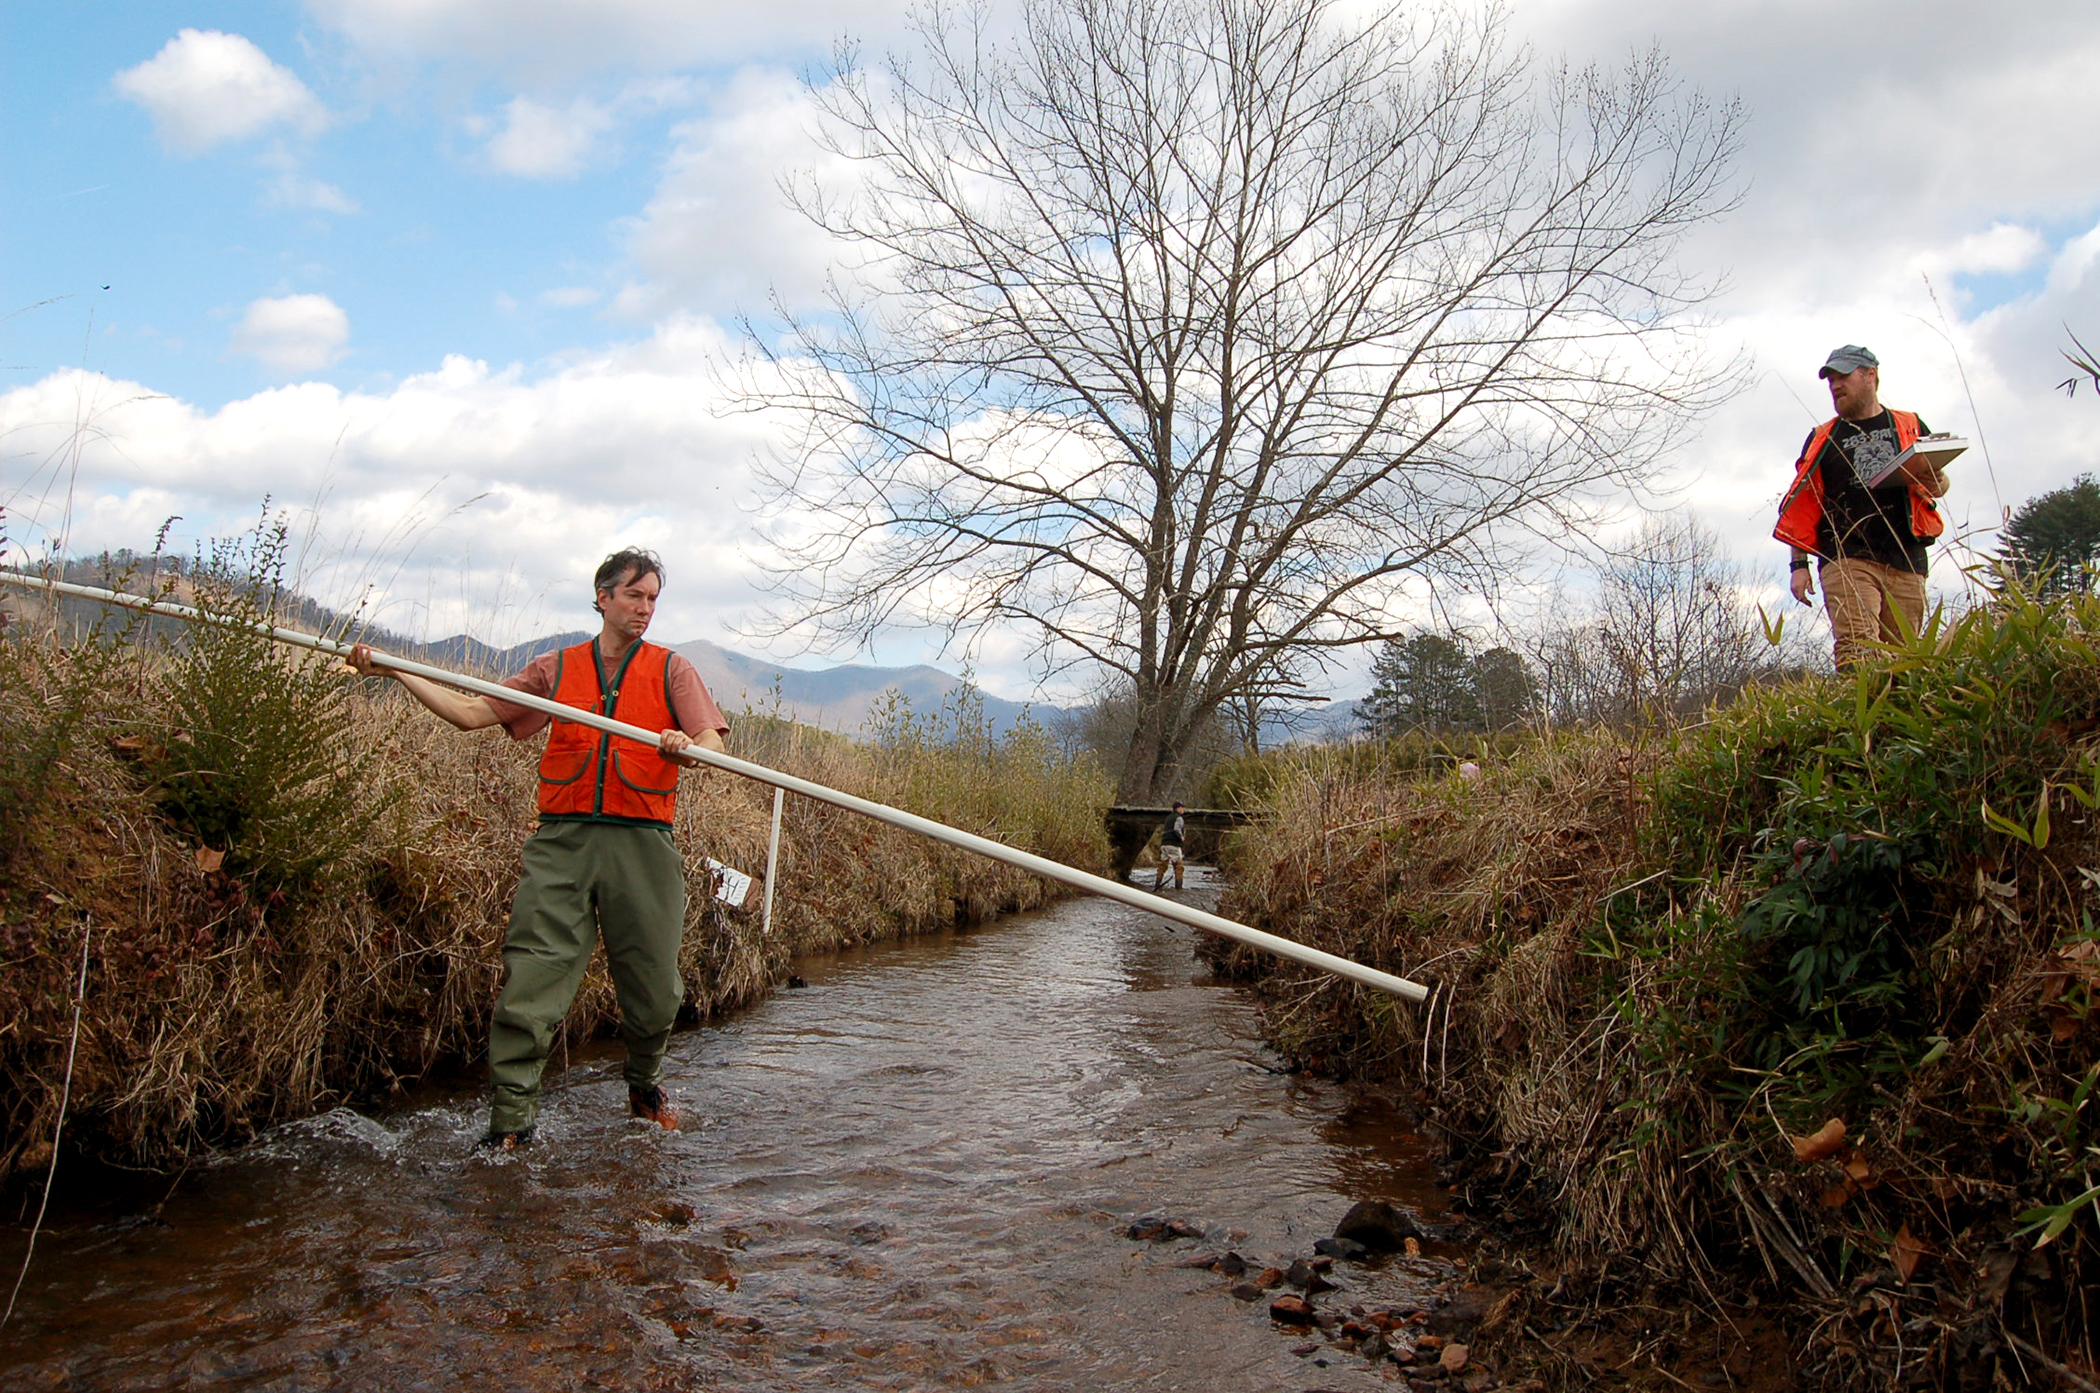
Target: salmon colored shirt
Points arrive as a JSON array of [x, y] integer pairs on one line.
[[696, 709]]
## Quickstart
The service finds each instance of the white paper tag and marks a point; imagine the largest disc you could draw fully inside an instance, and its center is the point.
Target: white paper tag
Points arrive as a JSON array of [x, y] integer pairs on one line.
[[731, 885]]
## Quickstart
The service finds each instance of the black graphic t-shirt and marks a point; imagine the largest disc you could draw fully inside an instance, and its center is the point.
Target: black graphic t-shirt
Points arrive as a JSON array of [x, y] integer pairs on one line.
[[1870, 524]]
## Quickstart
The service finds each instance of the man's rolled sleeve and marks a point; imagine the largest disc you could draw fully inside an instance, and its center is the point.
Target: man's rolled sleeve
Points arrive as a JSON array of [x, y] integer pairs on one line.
[[522, 722], [690, 699]]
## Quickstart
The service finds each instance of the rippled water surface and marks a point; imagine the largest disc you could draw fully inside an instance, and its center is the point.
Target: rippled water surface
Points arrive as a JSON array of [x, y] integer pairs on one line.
[[915, 1172]]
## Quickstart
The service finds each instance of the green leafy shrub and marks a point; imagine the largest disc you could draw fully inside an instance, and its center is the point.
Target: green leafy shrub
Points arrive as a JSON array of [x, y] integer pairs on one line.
[[250, 757]]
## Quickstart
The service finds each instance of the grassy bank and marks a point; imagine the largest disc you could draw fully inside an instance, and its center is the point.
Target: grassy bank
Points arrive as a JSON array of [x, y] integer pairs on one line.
[[1789, 1009], [291, 887]]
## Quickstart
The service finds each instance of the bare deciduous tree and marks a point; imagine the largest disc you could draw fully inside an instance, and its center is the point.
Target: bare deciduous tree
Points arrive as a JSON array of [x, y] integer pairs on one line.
[[1670, 631], [1193, 332]]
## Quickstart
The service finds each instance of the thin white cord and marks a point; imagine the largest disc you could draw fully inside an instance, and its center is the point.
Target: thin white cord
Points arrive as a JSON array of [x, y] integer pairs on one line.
[[1947, 333], [65, 1094]]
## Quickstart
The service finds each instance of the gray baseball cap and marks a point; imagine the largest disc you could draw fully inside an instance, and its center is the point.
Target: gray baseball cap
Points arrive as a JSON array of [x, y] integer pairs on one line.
[[1850, 358]]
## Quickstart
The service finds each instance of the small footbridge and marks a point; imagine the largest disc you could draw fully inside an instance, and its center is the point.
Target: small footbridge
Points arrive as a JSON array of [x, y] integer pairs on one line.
[[1129, 828]]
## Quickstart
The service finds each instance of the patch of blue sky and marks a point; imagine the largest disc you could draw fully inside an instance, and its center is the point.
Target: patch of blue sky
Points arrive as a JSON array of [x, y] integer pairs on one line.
[[393, 211], [1981, 291]]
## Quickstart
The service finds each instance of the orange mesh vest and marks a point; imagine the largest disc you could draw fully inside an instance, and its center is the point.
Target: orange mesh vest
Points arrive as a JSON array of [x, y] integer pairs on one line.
[[1802, 508], [586, 773]]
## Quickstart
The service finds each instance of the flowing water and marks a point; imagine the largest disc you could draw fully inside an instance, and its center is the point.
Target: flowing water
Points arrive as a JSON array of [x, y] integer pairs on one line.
[[914, 1173]]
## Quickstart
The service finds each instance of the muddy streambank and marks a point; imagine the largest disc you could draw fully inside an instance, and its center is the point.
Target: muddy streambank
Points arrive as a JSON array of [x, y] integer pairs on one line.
[[930, 1167]]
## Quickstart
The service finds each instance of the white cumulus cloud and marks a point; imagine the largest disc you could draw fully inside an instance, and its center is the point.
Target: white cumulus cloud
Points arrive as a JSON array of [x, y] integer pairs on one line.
[[2068, 271], [293, 190], [291, 334], [718, 230], [205, 87], [539, 141], [545, 39], [2006, 247], [474, 497]]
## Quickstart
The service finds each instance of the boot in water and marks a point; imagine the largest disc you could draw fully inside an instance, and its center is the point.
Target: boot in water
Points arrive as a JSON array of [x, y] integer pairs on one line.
[[504, 1141], [652, 1104]]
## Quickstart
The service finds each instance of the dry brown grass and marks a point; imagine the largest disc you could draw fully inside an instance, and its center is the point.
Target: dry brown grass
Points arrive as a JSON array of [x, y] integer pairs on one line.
[[1431, 878]]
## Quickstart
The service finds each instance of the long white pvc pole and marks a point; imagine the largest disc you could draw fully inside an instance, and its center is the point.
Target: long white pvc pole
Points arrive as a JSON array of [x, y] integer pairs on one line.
[[896, 817]]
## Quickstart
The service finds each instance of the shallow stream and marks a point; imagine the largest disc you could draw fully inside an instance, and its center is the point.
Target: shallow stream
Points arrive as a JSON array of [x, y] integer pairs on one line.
[[916, 1172]]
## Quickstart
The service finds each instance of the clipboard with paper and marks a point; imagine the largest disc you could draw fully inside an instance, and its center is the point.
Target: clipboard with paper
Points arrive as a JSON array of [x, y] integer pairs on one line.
[[1936, 450]]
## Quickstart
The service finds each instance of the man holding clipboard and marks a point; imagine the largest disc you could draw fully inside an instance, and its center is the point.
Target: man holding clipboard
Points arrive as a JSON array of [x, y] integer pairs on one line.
[[1862, 503]]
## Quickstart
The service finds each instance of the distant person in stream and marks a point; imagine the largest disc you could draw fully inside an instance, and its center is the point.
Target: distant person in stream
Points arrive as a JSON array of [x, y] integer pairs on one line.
[[1869, 541], [603, 862], [1171, 836]]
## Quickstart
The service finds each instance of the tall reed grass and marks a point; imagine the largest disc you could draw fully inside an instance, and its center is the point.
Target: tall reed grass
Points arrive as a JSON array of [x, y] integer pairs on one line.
[[1663, 966], [293, 885]]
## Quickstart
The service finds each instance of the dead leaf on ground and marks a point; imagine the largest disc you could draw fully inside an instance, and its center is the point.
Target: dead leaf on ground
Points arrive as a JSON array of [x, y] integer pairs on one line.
[[1824, 1141], [1836, 1195], [1858, 1169], [2074, 962], [1907, 1252], [210, 859]]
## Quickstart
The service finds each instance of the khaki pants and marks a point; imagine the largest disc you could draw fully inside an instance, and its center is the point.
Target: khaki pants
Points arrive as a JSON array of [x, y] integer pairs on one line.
[[1865, 600], [581, 881]]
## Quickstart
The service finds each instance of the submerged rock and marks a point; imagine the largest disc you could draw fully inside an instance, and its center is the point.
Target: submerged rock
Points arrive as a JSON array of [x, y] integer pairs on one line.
[[1378, 1226], [1302, 1276], [1154, 1229], [1291, 1310]]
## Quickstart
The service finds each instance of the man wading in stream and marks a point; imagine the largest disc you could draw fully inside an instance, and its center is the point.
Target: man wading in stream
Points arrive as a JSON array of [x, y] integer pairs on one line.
[[602, 862], [1171, 837]]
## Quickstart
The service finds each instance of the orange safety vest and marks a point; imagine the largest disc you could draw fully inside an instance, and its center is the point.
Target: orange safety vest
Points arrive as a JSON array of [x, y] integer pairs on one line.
[[1802, 508], [586, 773]]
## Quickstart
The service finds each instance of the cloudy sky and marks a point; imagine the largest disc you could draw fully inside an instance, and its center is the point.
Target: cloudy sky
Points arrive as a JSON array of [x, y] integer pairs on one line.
[[443, 276]]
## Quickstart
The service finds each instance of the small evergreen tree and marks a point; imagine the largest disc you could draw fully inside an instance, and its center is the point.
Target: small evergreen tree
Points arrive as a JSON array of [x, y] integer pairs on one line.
[[2053, 539], [1504, 689], [1422, 683]]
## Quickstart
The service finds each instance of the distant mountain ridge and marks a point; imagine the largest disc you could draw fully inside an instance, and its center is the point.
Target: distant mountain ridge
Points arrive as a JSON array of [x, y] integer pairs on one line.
[[466, 651], [838, 698]]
